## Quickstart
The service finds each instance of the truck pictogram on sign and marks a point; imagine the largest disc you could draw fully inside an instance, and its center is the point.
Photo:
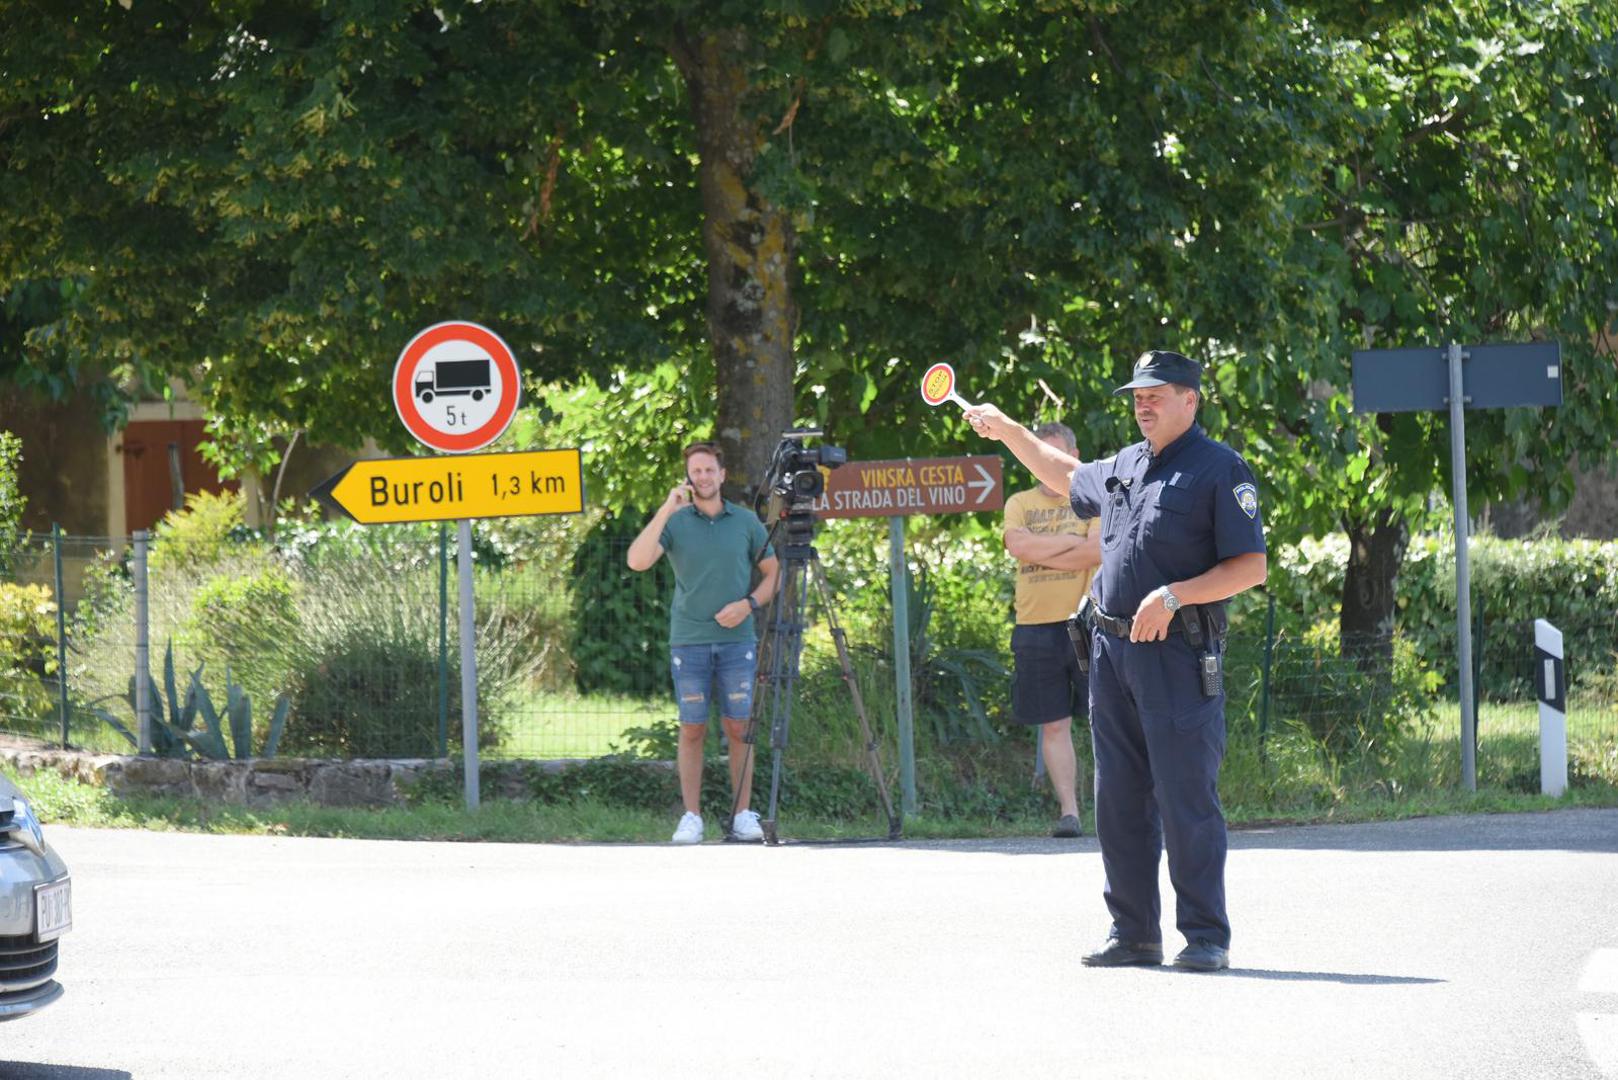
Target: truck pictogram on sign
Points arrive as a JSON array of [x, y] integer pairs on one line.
[[451, 378]]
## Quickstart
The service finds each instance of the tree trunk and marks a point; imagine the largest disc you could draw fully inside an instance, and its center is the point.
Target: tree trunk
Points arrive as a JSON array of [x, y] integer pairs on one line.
[[1370, 587], [751, 251]]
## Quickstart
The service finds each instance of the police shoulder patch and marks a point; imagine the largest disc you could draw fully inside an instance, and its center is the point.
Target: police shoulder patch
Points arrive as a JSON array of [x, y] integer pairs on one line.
[[1247, 499]]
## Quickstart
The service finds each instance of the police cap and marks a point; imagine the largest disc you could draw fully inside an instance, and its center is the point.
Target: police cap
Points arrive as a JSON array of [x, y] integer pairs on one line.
[[1159, 366]]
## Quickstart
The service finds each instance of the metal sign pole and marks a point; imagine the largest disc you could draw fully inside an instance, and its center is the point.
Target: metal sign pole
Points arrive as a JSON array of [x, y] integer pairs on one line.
[[469, 667], [1463, 576], [901, 662]]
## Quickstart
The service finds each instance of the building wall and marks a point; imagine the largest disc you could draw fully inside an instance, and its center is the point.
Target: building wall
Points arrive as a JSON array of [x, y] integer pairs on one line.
[[1594, 512], [64, 473]]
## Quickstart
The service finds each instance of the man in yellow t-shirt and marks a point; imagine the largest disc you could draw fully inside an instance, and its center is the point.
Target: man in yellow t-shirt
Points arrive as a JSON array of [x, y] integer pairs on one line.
[[1057, 555]]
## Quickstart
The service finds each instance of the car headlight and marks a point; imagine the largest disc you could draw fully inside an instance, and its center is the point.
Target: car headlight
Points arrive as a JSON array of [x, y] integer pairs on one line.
[[25, 826]]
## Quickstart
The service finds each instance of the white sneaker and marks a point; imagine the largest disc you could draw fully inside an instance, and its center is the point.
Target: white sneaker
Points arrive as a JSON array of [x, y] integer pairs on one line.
[[689, 830], [745, 826]]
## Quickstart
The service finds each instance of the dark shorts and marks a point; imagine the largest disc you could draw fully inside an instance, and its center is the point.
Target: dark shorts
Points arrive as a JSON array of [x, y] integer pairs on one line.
[[1048, 684]]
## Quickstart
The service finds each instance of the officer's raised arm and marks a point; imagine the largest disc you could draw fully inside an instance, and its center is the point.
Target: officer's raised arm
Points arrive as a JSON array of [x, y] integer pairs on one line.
[[1051, 465]]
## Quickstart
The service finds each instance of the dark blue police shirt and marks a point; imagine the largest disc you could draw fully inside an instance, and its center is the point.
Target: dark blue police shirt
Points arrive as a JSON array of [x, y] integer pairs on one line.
[[1166, 517]]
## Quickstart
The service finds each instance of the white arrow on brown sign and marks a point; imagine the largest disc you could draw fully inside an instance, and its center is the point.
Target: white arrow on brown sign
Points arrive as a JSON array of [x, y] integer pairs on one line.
[[912, 486]]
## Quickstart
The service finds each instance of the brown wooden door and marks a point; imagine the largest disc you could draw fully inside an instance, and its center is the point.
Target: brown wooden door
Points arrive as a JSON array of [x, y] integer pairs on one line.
[[155, 477]]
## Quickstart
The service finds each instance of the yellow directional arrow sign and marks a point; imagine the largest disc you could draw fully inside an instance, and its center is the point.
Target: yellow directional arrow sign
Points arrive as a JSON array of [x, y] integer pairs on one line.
[[388, 490]]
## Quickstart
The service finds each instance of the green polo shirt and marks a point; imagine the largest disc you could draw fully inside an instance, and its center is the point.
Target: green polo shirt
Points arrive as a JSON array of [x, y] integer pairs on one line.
[[713, 565]]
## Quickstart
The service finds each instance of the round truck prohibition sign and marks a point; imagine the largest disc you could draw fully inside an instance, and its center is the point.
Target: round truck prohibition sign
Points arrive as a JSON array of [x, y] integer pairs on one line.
[[456, 387]]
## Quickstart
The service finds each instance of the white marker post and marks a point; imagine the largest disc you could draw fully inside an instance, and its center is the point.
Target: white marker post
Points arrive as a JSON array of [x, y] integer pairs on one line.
[[1550, 680]]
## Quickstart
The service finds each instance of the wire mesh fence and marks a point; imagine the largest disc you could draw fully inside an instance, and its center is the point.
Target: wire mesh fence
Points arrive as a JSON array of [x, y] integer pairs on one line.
[[360, 637]]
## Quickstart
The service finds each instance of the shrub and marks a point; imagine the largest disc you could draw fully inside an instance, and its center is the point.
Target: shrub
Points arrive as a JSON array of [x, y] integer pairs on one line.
[[960, 619], [27, 655], [12, 501], [246, 620], [209, 528], [611, 781], [366, 697], [535, 599], [364, 666], [350, 634], [1344, 704], [1571, 583], [619, 617], [105, 592]]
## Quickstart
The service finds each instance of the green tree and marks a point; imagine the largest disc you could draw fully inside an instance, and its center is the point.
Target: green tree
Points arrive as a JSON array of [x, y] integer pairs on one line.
[[777, 209], [1470, 195]]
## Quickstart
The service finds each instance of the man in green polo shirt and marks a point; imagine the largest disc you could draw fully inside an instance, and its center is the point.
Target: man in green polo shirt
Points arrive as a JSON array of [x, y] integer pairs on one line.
[[713, 545]]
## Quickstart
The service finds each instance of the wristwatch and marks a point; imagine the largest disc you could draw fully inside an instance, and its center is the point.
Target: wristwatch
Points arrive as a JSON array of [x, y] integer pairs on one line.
[[1170, 601], [752, 603]]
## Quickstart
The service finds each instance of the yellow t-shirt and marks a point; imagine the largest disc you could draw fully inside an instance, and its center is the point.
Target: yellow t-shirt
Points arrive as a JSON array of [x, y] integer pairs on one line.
[[1045, 595]]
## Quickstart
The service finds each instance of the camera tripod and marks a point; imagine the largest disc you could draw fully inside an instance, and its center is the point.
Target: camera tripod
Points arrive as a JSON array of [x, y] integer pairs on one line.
[[779, 651]]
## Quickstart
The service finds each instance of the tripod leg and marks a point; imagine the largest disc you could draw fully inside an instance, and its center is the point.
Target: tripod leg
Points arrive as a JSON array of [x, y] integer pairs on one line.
[[873, 756], [786, 632]]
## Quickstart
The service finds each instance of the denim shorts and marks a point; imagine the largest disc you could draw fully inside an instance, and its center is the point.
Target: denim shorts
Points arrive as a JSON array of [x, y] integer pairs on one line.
[[724, 669]]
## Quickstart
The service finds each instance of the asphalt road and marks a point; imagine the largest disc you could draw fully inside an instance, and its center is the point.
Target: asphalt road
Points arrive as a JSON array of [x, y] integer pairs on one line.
[[1483, 947]]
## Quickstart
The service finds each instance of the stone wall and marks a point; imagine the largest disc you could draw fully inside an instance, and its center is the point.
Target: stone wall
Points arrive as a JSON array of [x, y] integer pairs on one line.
[[273, 780]]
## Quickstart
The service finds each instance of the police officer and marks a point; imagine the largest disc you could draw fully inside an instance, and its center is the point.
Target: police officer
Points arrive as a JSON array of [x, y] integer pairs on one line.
[[1180, 535]]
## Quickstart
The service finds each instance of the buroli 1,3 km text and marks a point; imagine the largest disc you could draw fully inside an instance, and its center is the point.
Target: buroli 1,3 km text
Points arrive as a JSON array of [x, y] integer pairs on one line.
[[464, 486], [452, 488]]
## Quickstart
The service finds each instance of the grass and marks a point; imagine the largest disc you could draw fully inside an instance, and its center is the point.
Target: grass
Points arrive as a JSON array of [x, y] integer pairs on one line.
[[71, 802], [976, 791], [543, 724]]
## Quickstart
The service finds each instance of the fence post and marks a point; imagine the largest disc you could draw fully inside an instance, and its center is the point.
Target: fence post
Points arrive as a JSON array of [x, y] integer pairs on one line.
[[1264, 692], [143, 659], [1551, 683], [61, 633]]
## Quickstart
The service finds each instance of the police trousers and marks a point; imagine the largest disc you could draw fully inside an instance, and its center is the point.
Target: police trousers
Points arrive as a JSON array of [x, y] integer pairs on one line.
[[1158, 747]]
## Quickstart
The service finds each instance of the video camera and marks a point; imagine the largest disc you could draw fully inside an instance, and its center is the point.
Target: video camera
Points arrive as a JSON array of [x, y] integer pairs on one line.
[[794, 471]]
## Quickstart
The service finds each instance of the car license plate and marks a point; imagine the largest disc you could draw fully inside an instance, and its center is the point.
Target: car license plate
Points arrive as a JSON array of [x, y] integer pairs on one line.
[[53, 907]]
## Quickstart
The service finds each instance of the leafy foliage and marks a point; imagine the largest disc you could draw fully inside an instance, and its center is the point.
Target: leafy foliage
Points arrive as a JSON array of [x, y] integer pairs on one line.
[[1570, 583], [247, 621], [953, 685], [1036, 191], [346, 623], [1342, 707], [12, 501], [360, 696], [620, 619], [27, 653], [210, 527]]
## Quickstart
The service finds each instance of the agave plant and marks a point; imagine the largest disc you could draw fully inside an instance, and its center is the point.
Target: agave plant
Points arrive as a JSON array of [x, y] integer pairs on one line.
[[173, 718]]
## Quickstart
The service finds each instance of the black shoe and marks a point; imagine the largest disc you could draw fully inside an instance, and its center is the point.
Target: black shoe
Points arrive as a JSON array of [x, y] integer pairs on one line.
[[1203, 955], [1120, 953], [1068, 827]]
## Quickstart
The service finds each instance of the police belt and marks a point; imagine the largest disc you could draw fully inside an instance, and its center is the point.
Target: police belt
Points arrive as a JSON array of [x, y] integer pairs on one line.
[[1121, 625], [1188, 620]]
